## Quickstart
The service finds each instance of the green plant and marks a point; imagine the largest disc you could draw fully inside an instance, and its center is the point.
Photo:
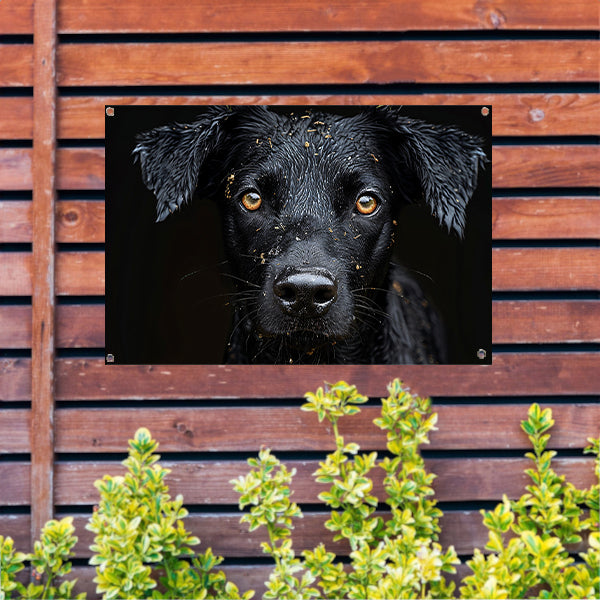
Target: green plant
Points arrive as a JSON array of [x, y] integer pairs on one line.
[[141, 548], [49, 560], [400, 557], [397, 558], [528, 538]]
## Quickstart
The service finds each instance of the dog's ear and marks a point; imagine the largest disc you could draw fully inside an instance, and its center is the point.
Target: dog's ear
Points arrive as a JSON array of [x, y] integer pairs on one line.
[[171, 158], [445, 163]]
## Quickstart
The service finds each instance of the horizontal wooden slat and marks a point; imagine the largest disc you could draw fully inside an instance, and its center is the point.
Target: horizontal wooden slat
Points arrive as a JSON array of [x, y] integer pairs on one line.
[[229, 538], [15, 432], [77, 273], [513, 166], [514, 322], [238, 63], [16, 66], [295, 15], [546, 166], [513, 114], [80, 221], [15, 169], [529, 374], [76, 221], [457, 480], [527, 269], [522, 322], [208, 482], [77, 326], [545, 218], [82, 273], [290, 429]]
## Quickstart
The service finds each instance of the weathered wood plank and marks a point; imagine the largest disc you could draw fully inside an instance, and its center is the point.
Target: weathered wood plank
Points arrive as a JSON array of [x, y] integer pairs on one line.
[[545, 218], [77, 273], [546, 269], [15, 169], [553, 166], [510, 374], [15, 432], [290, 429], [539, 321], [16, 66], [208, 482], [77, 326], [238, 63], [458, 479], [530, 374], [43, 263], [80, 221], [376, 15], [229, 538], [513, 114], [76, 221]]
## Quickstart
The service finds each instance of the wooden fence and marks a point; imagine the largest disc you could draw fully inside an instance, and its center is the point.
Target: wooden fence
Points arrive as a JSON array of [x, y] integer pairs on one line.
[[65, 417]]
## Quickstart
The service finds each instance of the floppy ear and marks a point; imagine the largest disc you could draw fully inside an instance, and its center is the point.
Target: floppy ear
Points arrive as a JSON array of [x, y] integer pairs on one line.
[[445, 162], [171, 158]]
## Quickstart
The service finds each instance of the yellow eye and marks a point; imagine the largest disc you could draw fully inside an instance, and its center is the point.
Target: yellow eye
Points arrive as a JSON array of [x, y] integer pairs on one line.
[[366, 204], [251, 201]]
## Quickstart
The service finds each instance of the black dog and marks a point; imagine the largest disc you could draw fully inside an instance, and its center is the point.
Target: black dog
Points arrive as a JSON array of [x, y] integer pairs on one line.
[[308, 202]]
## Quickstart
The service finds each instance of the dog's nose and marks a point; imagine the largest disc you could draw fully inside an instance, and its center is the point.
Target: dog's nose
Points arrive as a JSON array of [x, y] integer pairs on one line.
[[309, 293]]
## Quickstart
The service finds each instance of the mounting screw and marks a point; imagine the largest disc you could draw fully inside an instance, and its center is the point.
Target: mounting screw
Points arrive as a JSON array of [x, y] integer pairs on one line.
[[481, 354], [110, 358], [110, 111], [485, 111]]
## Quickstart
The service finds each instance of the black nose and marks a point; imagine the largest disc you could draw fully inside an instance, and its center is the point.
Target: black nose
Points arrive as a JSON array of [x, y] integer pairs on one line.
[[307, 293]]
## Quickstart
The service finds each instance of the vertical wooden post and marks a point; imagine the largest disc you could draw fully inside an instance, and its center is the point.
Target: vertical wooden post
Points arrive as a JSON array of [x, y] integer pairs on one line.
[[43, 301]]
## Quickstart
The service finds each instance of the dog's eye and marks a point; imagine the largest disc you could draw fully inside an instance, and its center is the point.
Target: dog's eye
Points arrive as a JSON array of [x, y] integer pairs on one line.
[[366, 204], [251, 200]]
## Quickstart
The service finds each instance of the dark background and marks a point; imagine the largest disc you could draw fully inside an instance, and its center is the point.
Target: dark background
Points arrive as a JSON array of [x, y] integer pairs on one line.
[[166, 299]]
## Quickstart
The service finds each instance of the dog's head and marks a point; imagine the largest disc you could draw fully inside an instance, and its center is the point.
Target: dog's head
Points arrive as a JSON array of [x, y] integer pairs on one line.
[[309, 201]]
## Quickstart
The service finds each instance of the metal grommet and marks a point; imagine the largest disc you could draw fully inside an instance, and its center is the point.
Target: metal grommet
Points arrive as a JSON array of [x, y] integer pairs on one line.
[[485, 111], [110, 358], [481, 354], [110, 111]]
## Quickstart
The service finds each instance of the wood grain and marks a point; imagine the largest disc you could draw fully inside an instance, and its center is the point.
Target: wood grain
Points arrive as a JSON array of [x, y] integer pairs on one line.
[[546, 218], [267, 63], [295, 15], [529, 374], [82, 117], [290, 429], [16, 66], [77, 273], [553, 166], [527, 269], [43, 265], [15, 433], [77, 326], [208, 482], [75, 220], [538, 321], [223, 532]]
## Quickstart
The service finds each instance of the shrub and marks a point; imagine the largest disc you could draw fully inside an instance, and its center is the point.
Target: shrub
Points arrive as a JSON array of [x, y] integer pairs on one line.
[[400, 557], [142, 550]]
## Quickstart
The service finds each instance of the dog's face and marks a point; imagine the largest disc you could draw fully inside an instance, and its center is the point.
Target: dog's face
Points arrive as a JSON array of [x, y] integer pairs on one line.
[[309, 202], [308, 214]]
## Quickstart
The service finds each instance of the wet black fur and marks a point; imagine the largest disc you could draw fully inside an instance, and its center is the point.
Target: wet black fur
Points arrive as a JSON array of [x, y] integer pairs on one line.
[[309, 169]]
